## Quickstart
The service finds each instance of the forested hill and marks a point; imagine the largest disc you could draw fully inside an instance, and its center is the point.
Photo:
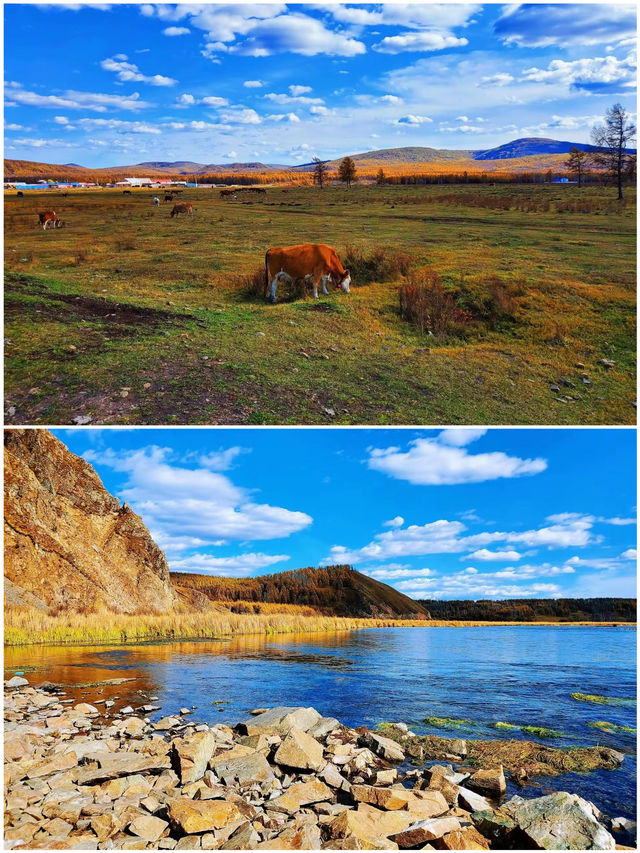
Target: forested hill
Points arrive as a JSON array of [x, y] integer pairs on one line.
[[536, 610], [334, 590]]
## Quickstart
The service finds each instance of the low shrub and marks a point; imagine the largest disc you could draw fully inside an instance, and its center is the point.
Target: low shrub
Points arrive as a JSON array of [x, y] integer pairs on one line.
[[380, 265], [126, 245], [426, 305]]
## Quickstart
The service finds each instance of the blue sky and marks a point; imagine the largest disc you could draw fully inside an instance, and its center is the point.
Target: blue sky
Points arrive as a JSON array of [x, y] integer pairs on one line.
[[459, 513], [121, 84]]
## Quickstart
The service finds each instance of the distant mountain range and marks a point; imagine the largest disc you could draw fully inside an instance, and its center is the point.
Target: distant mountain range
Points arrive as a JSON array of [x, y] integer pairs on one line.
[[532, 153]]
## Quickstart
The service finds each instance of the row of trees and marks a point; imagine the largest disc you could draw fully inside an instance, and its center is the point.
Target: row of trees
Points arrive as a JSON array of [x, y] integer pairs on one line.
[[536, 610]]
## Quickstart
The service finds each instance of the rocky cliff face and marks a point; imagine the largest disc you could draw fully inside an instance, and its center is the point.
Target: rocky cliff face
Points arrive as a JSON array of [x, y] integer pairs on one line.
[[68, 542]]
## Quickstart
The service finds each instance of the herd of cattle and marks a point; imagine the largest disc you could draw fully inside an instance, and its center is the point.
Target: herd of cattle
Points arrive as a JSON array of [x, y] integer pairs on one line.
[[314, 263]]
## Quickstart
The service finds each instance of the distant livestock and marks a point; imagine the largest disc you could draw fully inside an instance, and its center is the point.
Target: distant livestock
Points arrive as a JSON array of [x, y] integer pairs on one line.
[[183, 207], [156, 201], [126, 192], [228, 194], [313, 262], [20, 194], [47, 218], [168, 196]]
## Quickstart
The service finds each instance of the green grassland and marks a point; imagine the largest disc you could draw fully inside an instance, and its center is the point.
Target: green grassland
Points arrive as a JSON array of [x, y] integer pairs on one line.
[[128, 316]]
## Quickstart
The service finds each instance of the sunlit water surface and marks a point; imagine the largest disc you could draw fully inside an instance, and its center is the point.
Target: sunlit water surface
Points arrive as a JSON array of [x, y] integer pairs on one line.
[[518, 675]]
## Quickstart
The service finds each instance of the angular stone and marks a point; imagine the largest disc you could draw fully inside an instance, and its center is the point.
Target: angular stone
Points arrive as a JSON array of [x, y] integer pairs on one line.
[[132, 726], [448, 789], [300, 794], [243, 838], [495, 824], [113, 765], [472, 801], [369, 826], [467, 838], [194, 816], [390, 799], [305, 837], [425, 830], [324, 726], [300, 751], [16, 681], [149, 827], [245, 769], [192, 754], [280, 720], [382, 746], [332, 776], [491, 782], [86, 709], [166, 723], [386, 777], [562, 821], [64, 761]]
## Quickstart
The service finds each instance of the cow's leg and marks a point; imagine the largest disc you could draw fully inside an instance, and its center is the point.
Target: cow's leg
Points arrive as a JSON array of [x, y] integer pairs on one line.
[[315, 286], [323, 281], [274, 285]]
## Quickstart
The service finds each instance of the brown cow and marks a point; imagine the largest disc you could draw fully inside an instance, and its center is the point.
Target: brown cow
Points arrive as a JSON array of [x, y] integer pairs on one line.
[[183, 207], [49, 217], [311, 261], [227, 193]]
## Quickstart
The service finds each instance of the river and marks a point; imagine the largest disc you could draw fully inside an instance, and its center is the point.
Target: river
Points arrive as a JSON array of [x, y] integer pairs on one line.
[[519, 675]]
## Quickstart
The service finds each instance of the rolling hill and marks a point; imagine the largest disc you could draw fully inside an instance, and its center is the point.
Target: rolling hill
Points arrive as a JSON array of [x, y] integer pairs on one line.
[[527, 154], [334, 590], [531, 147]]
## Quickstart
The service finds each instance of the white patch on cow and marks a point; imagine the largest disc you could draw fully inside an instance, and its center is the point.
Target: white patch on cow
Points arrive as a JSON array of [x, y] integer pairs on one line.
[[346, 283]]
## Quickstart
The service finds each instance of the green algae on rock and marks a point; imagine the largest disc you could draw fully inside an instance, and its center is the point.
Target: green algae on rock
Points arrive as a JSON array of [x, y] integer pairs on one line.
[[448, 722], [602, 700], [611, 727]]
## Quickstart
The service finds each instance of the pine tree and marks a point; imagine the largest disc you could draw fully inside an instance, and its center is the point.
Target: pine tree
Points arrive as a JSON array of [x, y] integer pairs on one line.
[[380, 177], [577, 163], [320, 172], [347, 171]]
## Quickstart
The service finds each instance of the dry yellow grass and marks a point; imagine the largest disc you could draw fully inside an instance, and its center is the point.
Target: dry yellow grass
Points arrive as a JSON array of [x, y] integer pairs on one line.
[[25, 626]]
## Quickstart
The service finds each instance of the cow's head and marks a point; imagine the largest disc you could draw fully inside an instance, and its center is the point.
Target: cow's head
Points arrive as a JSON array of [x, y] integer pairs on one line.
[[345, 282], [58, 223]]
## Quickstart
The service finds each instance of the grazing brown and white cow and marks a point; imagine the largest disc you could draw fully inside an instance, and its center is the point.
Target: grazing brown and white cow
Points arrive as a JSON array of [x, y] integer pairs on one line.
[[183, 207], [49, 217], [156, 201], [313, 262]]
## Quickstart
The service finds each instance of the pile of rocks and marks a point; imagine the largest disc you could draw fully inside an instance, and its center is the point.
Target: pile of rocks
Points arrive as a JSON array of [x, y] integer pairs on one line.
[[285, 778]]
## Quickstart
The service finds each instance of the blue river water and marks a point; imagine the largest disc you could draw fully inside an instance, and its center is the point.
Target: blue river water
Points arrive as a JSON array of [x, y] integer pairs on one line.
[[520, 675]]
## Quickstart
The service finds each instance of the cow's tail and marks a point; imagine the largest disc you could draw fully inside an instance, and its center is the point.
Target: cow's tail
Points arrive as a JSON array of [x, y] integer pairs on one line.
[[266, 274]]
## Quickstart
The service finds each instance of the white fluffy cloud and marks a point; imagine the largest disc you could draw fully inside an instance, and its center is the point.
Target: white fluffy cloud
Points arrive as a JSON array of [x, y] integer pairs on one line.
[[176, 31], [419, 41], [180, 502], [444, 460], [449, 537], [73, 100], [240, 565], [487, 556], [398, 521], [598, 73], [127, 72], [565, 24]]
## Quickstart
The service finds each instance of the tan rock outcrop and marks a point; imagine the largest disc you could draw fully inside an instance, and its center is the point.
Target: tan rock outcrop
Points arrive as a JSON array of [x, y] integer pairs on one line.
[[68, 541]]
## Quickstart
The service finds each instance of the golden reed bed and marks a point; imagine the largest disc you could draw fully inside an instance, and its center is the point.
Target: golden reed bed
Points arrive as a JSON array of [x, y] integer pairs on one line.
[[27, 627]]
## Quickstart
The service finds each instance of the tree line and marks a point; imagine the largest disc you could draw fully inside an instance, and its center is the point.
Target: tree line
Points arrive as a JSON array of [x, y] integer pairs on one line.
[[536, 610]]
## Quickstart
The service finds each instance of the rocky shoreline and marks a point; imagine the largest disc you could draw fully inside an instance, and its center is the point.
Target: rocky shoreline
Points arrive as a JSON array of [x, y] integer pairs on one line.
[[284, 778]]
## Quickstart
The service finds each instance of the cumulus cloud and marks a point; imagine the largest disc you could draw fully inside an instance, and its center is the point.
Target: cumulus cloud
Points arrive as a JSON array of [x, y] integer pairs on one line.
[[493, 556], [176, 31], [239, 565], [182, 502], [419, 41], [398, 521], [565, 24], [283, 98], [413, 120], [127, 72], [120, 125], [594, 74], [253, 84], [240, 115], [73, 100], [499, 79], [440, 461], [570, 530]]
